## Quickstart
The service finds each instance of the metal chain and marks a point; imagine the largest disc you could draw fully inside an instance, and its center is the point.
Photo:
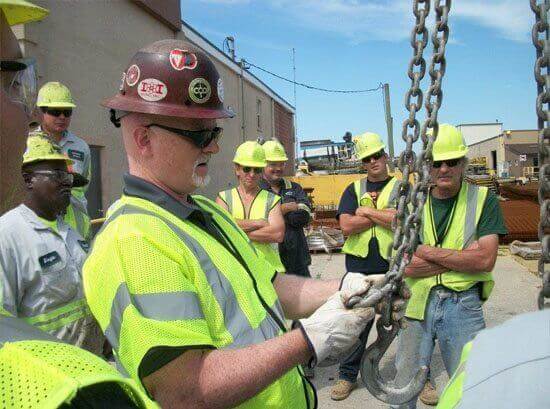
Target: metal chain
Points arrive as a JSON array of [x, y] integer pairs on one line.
[[540, 36], [406, 226]]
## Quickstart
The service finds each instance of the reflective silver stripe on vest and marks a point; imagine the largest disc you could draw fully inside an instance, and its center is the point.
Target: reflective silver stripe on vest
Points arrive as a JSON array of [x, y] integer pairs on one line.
[[470, 225], [179, 305], [235, 320], [268, 203], [229, 200], [362, 189], [15, 329]]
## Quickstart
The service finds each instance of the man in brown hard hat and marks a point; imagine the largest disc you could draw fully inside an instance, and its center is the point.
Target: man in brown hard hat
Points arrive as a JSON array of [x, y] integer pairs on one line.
[[194, 314]]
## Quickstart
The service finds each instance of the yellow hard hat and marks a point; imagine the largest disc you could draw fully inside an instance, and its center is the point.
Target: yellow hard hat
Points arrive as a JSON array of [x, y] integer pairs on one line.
[[250, 154], [22, 12], [40, 147], [55, 95], [367, 144], [449, 143], [274, 151]]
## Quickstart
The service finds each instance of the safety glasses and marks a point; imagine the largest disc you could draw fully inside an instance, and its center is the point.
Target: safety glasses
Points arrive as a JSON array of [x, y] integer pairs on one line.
[[374, 156], [59, 176], [201, 139], [451, 163], [66, 112], [20, 81], [248, 169]]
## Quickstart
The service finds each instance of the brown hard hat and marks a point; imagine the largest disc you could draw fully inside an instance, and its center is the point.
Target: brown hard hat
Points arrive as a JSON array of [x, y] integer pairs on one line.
[[172, 78]]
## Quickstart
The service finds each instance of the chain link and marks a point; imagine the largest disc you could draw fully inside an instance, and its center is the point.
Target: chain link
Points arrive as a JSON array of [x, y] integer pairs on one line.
[[540, 36]]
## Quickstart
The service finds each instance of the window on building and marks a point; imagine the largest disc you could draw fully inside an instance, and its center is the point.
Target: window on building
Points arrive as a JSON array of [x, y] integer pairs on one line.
[[259, 114], [94, 193]]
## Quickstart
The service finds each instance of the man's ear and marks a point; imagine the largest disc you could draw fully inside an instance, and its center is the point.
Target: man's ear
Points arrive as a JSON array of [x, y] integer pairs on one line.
[[28, 179], [142, 140]]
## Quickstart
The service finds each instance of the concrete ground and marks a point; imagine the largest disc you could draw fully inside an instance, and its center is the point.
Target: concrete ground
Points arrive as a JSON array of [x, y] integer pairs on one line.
[[515, 292]]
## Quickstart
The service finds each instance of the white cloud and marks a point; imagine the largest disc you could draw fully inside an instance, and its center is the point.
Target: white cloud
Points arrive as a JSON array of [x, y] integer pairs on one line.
[[392, 20], [511, 19]]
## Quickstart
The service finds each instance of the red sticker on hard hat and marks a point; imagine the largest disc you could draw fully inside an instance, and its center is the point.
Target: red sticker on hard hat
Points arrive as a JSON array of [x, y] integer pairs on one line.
[[200, 90], [183, 60], [152, 89], [132, 75]]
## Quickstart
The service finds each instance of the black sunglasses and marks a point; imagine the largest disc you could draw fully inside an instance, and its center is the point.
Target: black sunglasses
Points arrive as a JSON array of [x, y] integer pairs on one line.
[[67, 112], [59, 176], [374, 156], [450, 163], [201, 138], [248, 169]]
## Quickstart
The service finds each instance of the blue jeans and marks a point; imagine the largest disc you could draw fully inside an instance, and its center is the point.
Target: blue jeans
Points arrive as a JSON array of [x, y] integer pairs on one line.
[[349, 368], [453, 318]]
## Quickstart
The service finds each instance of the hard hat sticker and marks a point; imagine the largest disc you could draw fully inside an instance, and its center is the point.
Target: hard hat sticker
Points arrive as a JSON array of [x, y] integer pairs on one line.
[[182, 60], [152, 89], [121, 86], [132, 75], [200, 90], [220, 90]]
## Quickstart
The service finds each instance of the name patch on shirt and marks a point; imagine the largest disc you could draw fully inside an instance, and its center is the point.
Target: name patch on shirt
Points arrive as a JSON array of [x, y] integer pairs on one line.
[[49, 259], [84, 244], [76, 155]]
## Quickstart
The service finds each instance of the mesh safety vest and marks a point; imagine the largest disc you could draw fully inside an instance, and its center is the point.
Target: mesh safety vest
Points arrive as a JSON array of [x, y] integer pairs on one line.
[[37, 371], [461, 232], [358, 244], [156, 280], [259, 209], [76, 214]]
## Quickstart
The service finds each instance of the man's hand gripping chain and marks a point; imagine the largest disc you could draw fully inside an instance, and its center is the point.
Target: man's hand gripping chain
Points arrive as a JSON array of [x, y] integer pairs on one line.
[[388, 296]]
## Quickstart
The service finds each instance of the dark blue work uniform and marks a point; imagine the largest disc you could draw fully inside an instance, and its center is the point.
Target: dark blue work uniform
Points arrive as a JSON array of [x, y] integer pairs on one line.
[[294, 250]]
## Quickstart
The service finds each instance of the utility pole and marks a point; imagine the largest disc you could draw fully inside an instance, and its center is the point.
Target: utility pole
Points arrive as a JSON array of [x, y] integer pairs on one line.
[[243, 119], [296, 143], [389, 122]]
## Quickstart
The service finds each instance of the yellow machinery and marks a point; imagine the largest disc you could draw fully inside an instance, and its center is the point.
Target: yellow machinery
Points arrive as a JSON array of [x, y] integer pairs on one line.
[[328, 189]]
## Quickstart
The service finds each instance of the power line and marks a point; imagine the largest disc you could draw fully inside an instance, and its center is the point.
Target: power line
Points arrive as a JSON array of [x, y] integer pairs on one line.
[[301, 84]]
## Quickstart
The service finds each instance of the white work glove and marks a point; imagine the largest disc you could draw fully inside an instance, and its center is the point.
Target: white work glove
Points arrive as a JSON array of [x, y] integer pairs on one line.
[[359, 283], [333, 329]]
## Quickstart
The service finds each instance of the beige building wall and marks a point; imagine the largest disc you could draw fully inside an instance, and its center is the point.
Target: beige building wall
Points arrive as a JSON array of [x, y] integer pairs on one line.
[[508, 146], [484, 149], [86, 45]]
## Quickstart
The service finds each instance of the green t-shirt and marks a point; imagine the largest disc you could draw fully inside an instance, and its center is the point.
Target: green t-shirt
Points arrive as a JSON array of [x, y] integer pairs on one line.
[[491, 220]]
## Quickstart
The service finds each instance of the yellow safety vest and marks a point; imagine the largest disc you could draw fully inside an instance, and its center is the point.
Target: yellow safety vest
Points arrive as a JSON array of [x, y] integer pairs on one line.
[[259, 209], [358, 244], [154, 279], [38, 371], [76, 214], [461, 232]]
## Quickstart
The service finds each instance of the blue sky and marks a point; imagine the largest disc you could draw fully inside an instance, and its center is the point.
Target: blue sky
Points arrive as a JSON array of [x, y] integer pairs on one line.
[[356, 44]]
